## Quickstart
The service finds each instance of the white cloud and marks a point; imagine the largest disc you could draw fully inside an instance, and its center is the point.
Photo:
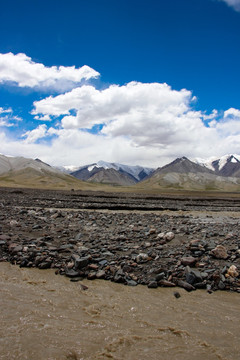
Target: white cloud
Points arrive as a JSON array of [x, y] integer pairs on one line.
[[135, 101], [22, 71], [152, 121], [5, 111], [6, 117], [233, 3], [4, 121], [147, 114], [36, 134], [78, 147], [233, 113], [42, 118], [141, 123]]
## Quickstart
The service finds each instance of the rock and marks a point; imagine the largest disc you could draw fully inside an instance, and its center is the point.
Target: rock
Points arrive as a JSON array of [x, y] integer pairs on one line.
[[65, 247], [190, 278], [142, 257], [220, 252], [169, 236], [166, 283], [188, 261], [93, 266], [200, 285], [13, 222], [14, 248], [71, 273], [176, 294], [76, 279], [70, 265], [45, 264], [78, 236], [82, 249], [103, 262], [152, 285], [83, 287], [131, 283], [232, 271], [192, 275], [209, 289], [119, 276], [221, 285], [91, 275], [100, 274], [185, 285], [161, 235], [152, 231], [4, 237], [79, 262], [160, 276]]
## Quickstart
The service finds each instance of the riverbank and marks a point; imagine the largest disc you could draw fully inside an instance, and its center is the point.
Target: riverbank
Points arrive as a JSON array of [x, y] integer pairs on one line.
[[183, 247]]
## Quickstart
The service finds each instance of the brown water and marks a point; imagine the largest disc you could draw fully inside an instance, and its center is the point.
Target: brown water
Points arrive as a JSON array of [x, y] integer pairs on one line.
[[44, 316]]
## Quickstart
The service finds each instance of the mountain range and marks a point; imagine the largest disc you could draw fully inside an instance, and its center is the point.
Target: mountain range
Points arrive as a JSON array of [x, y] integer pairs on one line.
[[112, 173], [222, 174], [184, 174]]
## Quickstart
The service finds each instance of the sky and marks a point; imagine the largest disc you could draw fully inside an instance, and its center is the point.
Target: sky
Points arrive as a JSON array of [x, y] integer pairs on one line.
[[127, 81]]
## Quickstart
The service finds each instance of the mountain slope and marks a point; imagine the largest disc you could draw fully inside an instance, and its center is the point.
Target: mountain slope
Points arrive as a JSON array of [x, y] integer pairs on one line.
[[23, 172], [11, 163], [113, 177], [183, 165]]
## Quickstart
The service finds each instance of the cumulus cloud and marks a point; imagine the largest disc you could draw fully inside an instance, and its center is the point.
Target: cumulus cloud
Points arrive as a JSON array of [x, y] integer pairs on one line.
[[233, 113], [147, 114], [136, 123], [73, 146], [153, 119], [21, 70], [229, 126], [123, 109], [233, 3], [42, 118], [36, 134]]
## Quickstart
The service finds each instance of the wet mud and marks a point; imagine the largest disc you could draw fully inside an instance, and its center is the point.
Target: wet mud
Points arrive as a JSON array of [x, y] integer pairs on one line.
[[44, 316]]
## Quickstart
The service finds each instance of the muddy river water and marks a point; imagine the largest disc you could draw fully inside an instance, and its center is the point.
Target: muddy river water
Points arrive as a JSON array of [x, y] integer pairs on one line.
[[45, 316]]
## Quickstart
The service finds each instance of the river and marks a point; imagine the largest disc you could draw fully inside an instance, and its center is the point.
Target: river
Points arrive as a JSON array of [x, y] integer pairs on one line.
[[46, 316]]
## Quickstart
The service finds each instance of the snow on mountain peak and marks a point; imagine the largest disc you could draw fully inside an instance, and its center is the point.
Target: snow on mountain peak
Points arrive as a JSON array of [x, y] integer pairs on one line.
[[103, 164], [224, 159], [207, 163], [132, 170]]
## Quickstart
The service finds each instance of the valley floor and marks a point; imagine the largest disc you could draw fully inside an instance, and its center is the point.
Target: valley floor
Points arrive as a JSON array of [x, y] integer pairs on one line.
[[158, 241]]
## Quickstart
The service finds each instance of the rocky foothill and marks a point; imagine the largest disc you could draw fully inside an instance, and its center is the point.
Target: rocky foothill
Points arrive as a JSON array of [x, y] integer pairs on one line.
[[154, 248]]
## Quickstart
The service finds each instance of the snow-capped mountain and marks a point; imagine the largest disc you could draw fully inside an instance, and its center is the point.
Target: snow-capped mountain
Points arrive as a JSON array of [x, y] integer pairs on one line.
[[227, 165], [134, 173]]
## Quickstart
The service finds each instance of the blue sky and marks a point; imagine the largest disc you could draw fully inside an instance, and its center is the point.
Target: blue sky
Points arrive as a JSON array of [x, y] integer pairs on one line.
[[132, 81]]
